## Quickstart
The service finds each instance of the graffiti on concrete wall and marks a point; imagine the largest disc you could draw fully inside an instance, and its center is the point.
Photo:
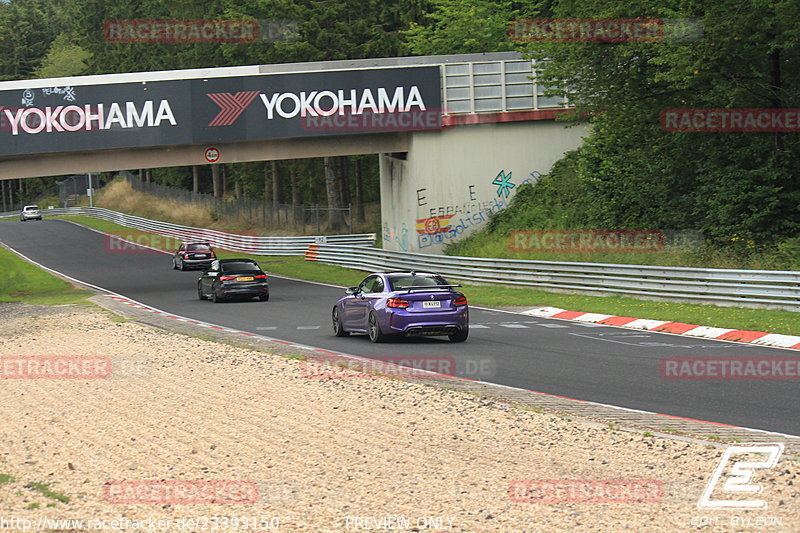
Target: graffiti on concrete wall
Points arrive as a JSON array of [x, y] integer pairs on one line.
[[503, 182], [441, 224], [399, 237], [456, 223]]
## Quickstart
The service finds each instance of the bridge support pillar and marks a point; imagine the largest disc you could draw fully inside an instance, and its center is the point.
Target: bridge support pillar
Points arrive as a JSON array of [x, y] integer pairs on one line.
[[450, 181]]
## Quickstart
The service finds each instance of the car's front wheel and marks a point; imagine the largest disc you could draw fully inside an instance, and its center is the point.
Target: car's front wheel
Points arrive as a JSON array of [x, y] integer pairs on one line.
[[460, 336], [374, 329], [338, 327]]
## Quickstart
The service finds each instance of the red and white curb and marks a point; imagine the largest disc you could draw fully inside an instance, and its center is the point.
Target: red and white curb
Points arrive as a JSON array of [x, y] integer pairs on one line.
[[736, 335]]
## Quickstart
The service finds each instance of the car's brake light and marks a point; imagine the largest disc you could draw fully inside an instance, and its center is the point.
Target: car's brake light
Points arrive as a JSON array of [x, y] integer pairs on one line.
[[397, 303], [226, 278], [186, 256], [213, 254], [461, 300], [260, 276]]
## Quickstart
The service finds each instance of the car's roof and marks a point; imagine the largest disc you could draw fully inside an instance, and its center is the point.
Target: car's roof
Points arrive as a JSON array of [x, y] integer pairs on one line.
[[197, 242], [235, 260], [32, 205], [409, 273]]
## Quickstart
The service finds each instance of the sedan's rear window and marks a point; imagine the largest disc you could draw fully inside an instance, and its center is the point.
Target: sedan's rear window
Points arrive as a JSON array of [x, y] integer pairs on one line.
[[405, 281], [240, 267], [198, 247]]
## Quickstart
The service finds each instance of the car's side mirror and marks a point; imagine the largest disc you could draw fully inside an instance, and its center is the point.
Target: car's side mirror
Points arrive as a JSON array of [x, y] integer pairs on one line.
[[351, 290]]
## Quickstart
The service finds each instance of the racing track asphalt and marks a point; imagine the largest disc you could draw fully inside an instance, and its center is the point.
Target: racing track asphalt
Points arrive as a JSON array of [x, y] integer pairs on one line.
[[603, 364]]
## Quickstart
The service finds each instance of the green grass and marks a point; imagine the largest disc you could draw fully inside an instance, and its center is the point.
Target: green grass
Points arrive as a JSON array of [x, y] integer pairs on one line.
[[24, 282], [5, 478], [45, 490], [489, 244], [771, 321]]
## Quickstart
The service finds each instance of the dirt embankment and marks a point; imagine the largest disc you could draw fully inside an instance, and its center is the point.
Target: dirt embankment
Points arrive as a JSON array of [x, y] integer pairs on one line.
[[178, 415]]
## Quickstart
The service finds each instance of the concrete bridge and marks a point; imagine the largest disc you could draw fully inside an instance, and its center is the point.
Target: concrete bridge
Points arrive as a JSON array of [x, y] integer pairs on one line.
[[457, 135]]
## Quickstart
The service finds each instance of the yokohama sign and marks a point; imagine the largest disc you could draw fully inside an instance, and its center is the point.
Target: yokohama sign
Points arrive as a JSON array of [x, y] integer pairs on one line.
[[241, 108], [35, 120]]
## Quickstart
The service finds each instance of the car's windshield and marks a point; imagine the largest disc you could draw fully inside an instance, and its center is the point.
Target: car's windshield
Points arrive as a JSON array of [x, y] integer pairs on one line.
[[198, 247], [31, 207], [240, 267], [405, 281]]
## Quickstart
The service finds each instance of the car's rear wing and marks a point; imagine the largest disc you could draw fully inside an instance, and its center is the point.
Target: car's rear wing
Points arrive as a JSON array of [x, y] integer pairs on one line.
[[425, 288]]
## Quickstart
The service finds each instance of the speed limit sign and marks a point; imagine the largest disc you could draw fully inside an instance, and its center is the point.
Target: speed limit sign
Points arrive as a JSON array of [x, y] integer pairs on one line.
[[212, 155]]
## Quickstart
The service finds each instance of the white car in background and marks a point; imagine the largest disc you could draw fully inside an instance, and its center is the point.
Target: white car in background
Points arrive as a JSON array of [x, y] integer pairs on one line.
[[30, 212]]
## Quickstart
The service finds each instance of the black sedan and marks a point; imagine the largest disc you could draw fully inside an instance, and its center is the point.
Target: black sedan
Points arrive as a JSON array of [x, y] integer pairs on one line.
[[233, 278], [193, 255]]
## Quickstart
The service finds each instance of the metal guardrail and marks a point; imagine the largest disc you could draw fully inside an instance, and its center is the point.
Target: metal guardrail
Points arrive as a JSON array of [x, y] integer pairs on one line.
[[251, 244], [744, 288]]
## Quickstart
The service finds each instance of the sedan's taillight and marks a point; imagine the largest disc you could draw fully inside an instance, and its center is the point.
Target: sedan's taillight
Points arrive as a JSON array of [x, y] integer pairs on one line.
[[397, 303], [226, 278], [186, 256], [461, 300], [260, 276]]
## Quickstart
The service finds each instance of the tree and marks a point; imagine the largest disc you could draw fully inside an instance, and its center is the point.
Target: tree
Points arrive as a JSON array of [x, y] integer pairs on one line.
[[335, 218], [726, 184], [64, 58], [27, 28], [462, 27]]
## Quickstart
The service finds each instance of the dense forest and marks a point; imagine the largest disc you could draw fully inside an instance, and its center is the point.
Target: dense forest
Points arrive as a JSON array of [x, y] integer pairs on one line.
[[737, 188]]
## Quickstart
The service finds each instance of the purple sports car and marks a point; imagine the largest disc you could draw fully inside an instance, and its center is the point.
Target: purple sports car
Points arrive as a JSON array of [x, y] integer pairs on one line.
[[402, 303]]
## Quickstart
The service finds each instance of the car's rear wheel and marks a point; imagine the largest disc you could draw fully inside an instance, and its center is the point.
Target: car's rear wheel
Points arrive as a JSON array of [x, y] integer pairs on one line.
[[264, 297], [200, 294], [460, 336], [374, 329], [174, 265], [214, 297], [338, 327]]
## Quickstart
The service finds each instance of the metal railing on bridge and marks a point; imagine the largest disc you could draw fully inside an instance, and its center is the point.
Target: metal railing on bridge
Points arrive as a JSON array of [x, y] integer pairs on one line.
[[494, 86]]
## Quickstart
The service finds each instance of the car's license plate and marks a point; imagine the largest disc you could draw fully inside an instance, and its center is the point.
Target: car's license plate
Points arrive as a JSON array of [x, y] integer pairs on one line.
[[431, 304], [200, 256], [245, 278]]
